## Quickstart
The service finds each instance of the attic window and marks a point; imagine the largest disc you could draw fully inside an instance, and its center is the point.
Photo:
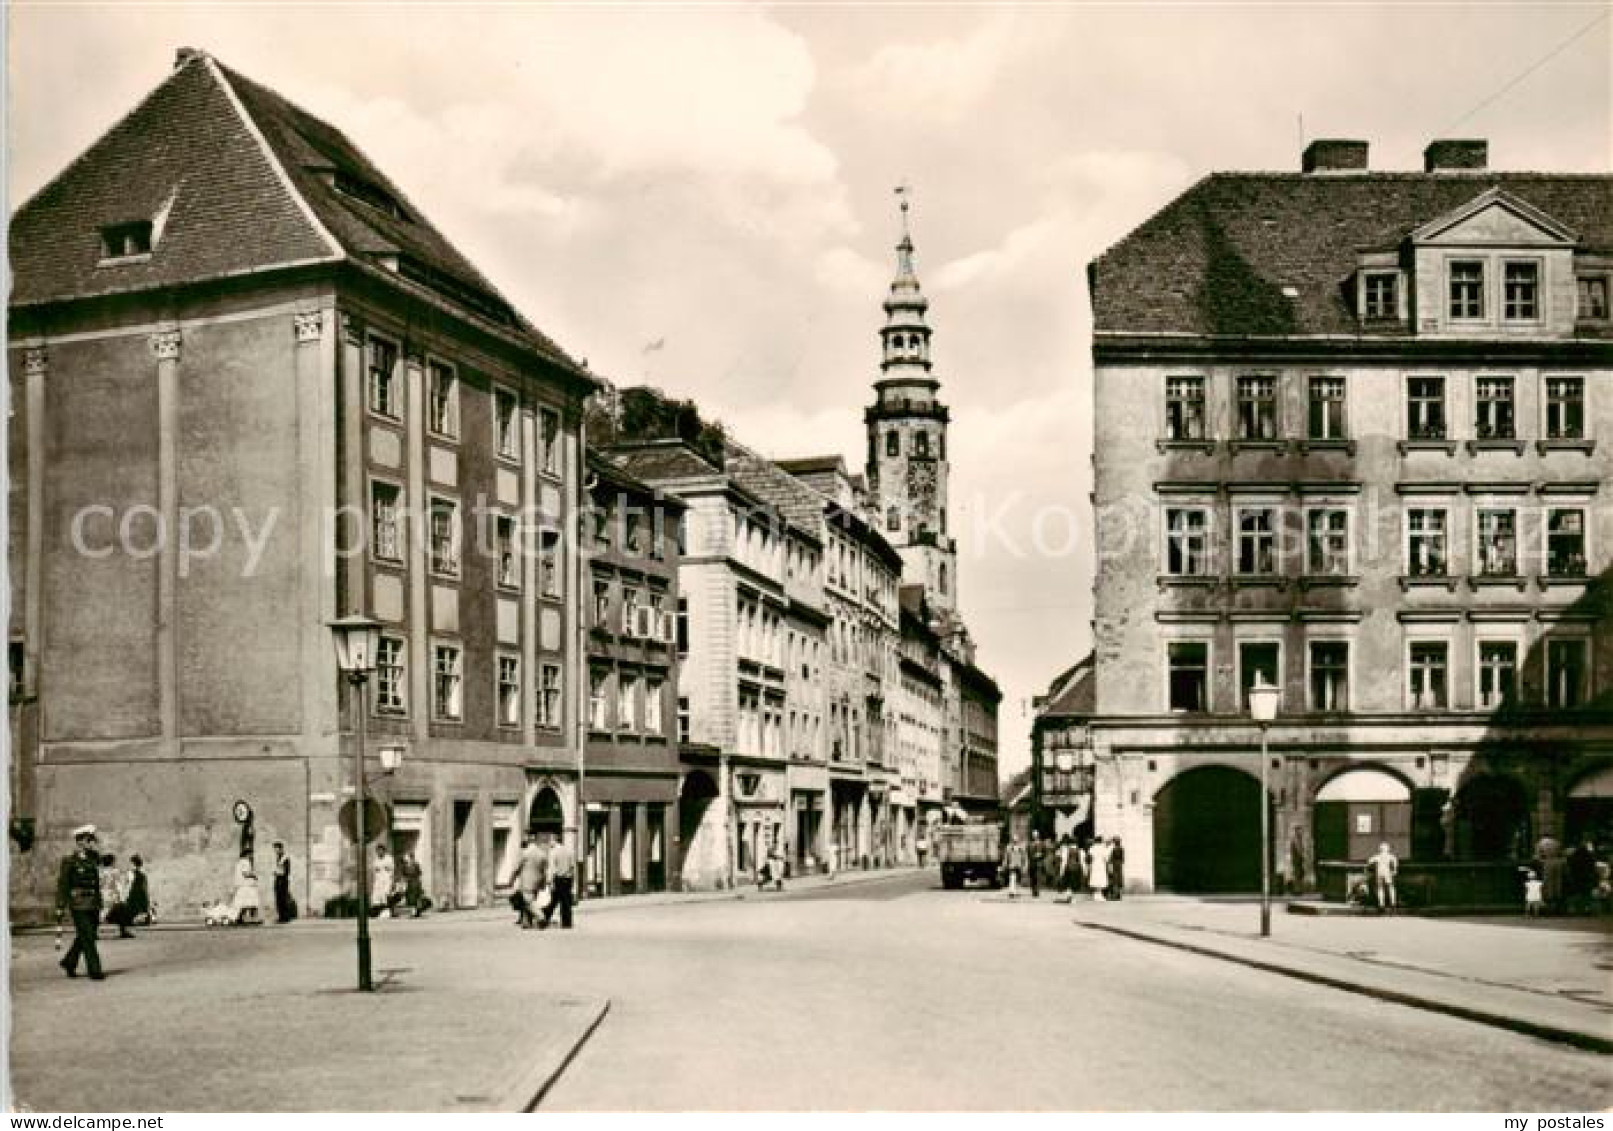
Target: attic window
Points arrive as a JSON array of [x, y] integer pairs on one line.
[[126, 241], [369, 193]]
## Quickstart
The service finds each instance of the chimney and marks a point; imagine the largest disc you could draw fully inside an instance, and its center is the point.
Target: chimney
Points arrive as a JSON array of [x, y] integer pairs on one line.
[[185, 55], [1448, 156], [1330, 155]]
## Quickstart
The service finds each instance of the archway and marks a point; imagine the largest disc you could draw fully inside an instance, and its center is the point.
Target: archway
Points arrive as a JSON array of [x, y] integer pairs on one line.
[[547, 815], [1492, 819], [1359, 809], [1207, 832]]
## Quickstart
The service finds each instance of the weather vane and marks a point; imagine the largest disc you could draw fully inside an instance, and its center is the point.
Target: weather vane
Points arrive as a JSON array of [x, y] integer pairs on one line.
[[903, 191]]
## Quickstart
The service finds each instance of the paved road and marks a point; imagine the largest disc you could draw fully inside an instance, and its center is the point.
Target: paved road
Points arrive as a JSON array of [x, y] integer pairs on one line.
[[897, 995]]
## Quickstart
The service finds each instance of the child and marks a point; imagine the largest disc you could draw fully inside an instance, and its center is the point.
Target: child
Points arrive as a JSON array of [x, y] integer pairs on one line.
[[1534, 894]]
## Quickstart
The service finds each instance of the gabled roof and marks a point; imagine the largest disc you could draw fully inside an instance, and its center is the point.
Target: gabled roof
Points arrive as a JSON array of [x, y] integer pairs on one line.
[[241, 181], [1218, 258], [661, 460], [1072, 694], [801, 506]]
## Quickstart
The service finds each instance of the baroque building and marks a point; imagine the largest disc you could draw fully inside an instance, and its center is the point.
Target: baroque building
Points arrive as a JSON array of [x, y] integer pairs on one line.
[[1354, 443], [254, 389]]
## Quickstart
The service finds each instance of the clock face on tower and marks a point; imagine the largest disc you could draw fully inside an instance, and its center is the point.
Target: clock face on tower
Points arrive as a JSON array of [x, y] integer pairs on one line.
[[921, 476]]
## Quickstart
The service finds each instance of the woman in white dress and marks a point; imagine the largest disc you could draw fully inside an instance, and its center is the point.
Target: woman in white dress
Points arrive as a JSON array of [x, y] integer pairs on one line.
[[1098, 869], [383, 879], [247, 905]]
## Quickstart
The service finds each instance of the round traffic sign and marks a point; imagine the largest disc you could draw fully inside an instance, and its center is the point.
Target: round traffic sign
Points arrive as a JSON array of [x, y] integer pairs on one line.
[[376, 819]]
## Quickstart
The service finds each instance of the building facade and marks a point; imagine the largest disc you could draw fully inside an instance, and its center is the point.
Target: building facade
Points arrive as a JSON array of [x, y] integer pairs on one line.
[[1353, 445], [632, 773], [253, 389]]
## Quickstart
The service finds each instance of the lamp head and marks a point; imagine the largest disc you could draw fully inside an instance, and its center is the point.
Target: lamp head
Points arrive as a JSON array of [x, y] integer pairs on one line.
[[357, 638]]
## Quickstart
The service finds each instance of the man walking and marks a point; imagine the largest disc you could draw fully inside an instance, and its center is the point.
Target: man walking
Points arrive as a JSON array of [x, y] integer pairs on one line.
[[562, 875], [285, 908], [78, 892], [1038, 861], [1013, 866]]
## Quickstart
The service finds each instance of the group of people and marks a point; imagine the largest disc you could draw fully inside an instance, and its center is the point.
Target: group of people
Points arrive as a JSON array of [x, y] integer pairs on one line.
[[396, 885], [545, 882], [1097, 866], [1579, 882]]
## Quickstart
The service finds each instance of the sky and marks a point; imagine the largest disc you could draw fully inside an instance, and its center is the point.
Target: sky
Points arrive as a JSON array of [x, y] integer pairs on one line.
[[700, 196]]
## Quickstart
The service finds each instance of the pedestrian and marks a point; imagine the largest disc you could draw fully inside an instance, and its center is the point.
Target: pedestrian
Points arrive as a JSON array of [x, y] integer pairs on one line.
[[1553, 870], [414, 895], [775, 863], [136, 901], [1534, 893], [1098, 869], [383, 878], [285, 908], [1037, 860], [1013, 866], [78, 893], [534, 877], [833, 859], [562, 877], [1579, 879], [923, 848], [246, 907], [1117, 868], [1382, 868]]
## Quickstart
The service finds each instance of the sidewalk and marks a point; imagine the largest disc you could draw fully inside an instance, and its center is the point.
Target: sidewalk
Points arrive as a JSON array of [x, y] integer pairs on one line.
[[1549, 978]]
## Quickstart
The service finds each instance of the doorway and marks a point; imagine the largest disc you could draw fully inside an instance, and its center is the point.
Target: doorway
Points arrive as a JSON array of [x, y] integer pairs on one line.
[[1207, 832], [466, 891]]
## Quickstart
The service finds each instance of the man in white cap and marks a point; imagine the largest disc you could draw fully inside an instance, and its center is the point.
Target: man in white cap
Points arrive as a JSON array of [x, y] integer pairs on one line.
[[78, 891]]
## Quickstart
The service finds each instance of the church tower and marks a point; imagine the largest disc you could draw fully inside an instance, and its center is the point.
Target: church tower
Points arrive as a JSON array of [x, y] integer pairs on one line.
[[907, 441]]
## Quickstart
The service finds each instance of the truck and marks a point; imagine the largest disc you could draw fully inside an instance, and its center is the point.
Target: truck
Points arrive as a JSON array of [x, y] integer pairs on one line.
[[967, 852]]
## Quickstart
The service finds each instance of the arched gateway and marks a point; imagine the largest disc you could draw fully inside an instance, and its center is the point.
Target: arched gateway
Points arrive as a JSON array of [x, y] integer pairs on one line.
[[1207, 831]]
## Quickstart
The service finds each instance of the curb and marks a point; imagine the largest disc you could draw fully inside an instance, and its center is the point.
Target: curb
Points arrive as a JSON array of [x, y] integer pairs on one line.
[[1588, 1041], [529, 1091]]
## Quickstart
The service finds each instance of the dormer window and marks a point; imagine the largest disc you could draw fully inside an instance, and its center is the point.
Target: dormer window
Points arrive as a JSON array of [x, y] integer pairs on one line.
[[370, 193], [1521, 292], [126, 241], [1592, 292], [1380, 296], [1467, 289]]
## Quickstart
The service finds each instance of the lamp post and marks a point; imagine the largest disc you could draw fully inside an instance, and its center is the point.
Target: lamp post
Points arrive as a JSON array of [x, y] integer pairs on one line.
[[357, 639], [1263, 698]]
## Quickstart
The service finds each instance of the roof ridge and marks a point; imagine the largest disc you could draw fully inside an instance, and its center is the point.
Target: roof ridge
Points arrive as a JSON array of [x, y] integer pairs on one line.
[[220, 74]]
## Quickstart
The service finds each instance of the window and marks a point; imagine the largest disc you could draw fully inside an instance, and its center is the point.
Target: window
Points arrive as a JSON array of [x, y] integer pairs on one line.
[[1593, 298], [1498, 673], [1330, 676], [629, 688], [1426, 687], [683, 626], [1184, 408], [1257, 408], [598, 679], [509, 691], [654, 692], [549, 421], [384, 393], [122, 241], [444, 537], [1498, 543], [1257, 659], [1425, 408], [509, 563], [893, 518], [17, 656], [1327, 408], [1257, 541], [1382, 295], [921, 444], [1189, 675], [893, 443], [1494, 420], [384, 521], [1565, 408], [549, 696], [1187, 542], [1467, 289], [1565, 542], [1566, 671], [549, 563], [389, 677], [1425, 543], [442, 400], [1328, 543], [446, 681], [601, 603], [630, 617], [1520, 292], [506, 425]]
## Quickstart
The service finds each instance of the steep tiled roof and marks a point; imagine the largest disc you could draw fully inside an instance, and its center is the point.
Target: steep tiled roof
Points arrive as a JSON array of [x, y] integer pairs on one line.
[[801, 506], [1073, 693], [660, 460], [251, 182], [1216, 260], [809, 464]]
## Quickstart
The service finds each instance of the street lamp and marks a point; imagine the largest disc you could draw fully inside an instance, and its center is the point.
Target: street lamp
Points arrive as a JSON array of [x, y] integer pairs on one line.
[[357, 639], [1263, 698]]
